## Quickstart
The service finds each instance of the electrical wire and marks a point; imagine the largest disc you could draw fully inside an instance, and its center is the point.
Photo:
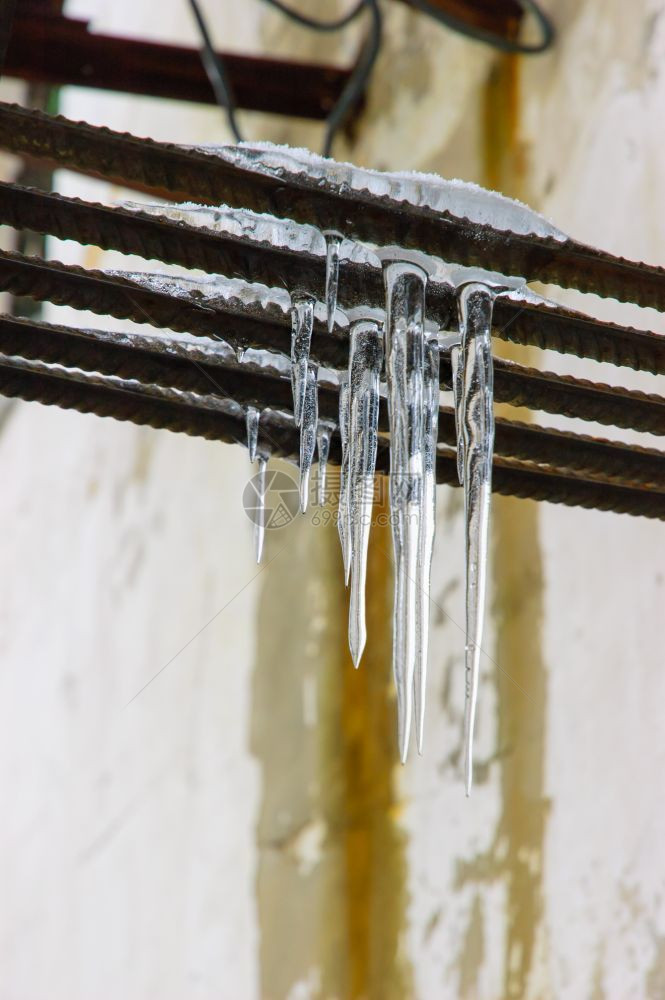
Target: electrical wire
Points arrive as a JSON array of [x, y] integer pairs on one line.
[[360, 75], [357, 84], [355, 87], [216, 72]]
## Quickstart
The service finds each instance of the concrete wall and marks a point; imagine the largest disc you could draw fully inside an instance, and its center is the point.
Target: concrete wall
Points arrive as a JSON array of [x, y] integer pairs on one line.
[[240, 828]]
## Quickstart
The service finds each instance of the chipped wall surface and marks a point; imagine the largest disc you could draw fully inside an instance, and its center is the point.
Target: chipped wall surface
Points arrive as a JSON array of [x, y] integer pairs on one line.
[[239, 827]]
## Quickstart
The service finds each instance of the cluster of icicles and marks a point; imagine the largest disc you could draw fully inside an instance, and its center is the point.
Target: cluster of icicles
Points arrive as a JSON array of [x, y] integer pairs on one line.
[[400, 346], [408, 354]]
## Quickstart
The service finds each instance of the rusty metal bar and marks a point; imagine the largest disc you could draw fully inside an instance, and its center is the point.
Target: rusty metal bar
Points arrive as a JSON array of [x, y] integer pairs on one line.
[[175, 242], [65, 389], [593, 458], [125, 298], [57, 50], [202, 176]]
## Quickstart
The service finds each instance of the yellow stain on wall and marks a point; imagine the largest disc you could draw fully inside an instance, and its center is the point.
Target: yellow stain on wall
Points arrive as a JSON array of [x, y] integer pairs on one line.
[[518, 611], [331, 877]]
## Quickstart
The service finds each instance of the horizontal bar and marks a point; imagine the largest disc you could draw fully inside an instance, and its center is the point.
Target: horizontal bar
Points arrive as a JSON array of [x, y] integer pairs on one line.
[[203, 176], [592, 457], [125, 298], [66, 390], [175, 242], [60, 50]]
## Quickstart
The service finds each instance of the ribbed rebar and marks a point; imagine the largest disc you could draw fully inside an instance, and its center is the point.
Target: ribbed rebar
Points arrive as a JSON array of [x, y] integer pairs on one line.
[[588, 456], [512, 478], [196, 174], [126, 298]]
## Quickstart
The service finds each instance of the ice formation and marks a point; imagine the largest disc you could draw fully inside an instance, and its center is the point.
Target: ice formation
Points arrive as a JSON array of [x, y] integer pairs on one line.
[[308, 428], [397, 344], [365, 363], [324, 434], [260, 512]]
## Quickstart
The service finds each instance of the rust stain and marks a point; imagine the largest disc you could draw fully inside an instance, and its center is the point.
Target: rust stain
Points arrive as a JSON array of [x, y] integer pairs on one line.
[[505, 160], [373, 849], [518, 611], [331, 915], [516, 855]]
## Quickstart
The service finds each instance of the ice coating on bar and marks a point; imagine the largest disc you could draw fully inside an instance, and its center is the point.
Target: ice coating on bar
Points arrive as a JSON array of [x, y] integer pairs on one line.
[[365, 362], [257, 227], [404, 348], [475, 303], [459, 198], [427, 529]]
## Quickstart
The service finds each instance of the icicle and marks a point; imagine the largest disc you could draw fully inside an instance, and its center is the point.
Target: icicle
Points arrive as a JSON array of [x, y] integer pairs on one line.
[[427, 529], [252, 416], [405, 314], [343, 524], [323, 435], [333, 241], [240, 350], [456, 365], [365, 361], [308, 433], [260, 522], [475, 304], [302, 321]]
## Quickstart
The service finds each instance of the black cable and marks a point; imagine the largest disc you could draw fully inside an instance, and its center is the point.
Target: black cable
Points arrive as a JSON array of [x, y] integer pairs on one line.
[[357, 83], [216, 72], [491, 37], [310, 22], [360, 75]]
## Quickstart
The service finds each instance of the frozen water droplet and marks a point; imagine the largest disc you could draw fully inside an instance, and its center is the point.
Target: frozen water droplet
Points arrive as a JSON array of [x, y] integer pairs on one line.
[[405, 318], [323, 437], [308, 428], [475, 304], [252, 417], [427, 529], [302, 321], [333, 241], [260, 516], [343, 522], [365, 362]]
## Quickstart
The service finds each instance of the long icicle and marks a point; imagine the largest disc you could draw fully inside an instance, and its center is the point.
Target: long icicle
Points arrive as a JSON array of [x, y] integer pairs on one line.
[[427, 530], [405, 315], [333, 241], [324, 435], [308, 427], [343, 524], [475, 304], [260, 517], [302, 322], [365, 361], [252, 416]]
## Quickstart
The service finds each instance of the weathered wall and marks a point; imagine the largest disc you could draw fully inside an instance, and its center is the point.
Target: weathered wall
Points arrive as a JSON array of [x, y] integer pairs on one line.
[[241, 828]]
